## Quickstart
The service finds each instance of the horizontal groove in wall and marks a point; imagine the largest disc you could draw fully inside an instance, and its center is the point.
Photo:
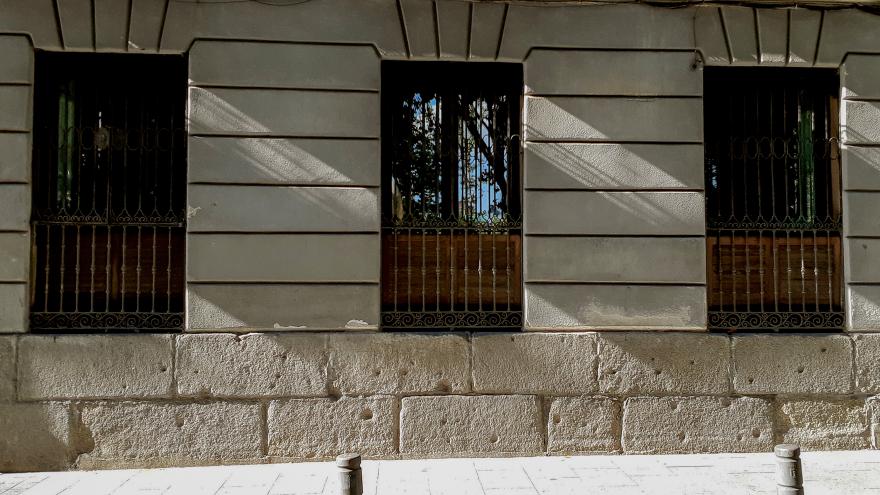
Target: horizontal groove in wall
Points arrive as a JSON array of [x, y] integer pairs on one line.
[[15, 131], [860, 98], [248, 135], [616, 190], [600, 283], [606, 141], [15, 83], [283, 88]]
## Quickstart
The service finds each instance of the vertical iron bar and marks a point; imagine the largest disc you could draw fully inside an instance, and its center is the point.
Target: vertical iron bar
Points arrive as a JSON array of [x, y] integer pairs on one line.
[[76, 271], [153, 275], [137, 287], [47, 269], [61, 287], [168, 274]]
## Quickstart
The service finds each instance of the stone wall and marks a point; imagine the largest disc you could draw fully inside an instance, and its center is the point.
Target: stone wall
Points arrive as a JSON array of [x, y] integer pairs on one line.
[[281, 358], [156, 400]]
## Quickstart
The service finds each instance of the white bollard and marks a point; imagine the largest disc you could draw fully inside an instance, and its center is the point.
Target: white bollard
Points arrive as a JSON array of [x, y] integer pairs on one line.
[[789, 474], [350, 478]]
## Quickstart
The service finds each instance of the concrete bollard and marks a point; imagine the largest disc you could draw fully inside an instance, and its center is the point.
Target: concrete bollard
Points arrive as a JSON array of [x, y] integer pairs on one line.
[[789, 475], [351, 481]]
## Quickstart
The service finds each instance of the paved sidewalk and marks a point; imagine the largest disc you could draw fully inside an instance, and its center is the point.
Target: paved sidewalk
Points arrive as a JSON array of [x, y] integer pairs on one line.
[[824, 472]]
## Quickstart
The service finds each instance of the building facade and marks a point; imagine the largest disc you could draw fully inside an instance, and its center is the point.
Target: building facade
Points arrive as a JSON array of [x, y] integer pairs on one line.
[[264, 231]]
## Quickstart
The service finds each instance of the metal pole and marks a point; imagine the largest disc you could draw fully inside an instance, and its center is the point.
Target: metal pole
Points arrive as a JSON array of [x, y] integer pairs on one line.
[[350, 479], [789, 475]]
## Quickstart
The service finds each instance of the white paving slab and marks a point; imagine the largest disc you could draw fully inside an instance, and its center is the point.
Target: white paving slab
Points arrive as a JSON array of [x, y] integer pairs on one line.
[[856, 472]]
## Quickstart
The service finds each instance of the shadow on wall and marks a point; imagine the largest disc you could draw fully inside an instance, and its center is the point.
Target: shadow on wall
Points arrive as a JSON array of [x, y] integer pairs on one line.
[[39, 437]]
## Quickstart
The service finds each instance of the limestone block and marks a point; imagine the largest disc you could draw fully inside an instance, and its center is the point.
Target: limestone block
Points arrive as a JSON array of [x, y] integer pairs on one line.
[[821, 425], [421, 28], [309, 428], [609, 26], [497, 424], [282, 257], [15, 251], [846, 31], [216, 208], [36, 437], [17, 64], [613, 166], [615, 306], [615, 259], [862, 260], [740, 25], [864, 308], [94, 366], [290, 113], [710, 36], [283, 306], [663, 364], [339, 21], [536, 363], [7, 368], [283, 65], [854, 217], [802, 36], [15, 203], [37, 18], [696, 424], [581, 118], [792, 364], [858, 76], [867, 365], [631, 73], [111, 25], [773, 36], [292, 161], [487, 21], [147, 19], [15, 161], [630, 213], [860, 121], [150, 434], [453, 23], [399, 363], [583, 424], [75, 17], [13, 300], [252, 365], [15, 107], [861, 167]]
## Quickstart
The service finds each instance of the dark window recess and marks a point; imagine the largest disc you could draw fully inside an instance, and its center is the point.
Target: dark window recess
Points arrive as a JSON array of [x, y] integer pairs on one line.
[[773, 200], [451, 200], [109, 187]]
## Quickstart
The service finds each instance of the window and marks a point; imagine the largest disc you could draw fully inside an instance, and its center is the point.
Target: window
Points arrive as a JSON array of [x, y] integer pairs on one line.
[[451, 202], [773, 201], [108, 192]]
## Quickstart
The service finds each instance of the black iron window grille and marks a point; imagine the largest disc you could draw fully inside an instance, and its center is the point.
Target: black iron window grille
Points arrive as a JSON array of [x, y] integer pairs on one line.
[[451, 202], [109, 161], [773, 199]]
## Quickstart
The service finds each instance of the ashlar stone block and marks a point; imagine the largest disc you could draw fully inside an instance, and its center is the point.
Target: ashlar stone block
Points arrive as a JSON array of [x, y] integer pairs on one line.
[[94, 366], [141, 434], [867, 366], [792, 364], [583, 424], [377, 363], [251, 365], [643, 363], [487, 424], [35, 437], [7, 368], [320, 428], [823, 425], [696, 424], [535, 363]]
